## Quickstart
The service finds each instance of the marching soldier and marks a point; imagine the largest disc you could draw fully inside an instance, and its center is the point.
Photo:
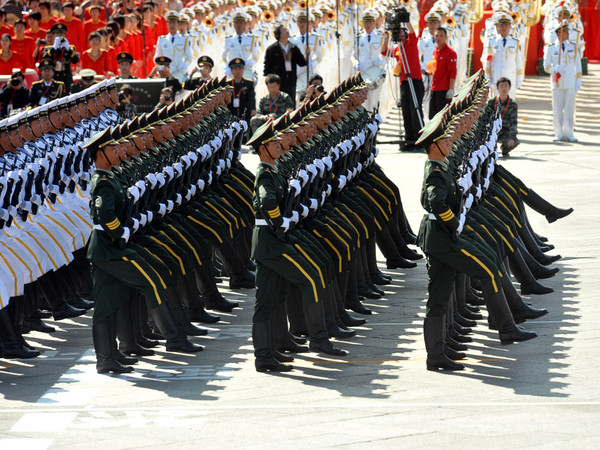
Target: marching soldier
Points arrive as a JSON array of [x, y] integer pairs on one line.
[[46, 89], [176, 47], [62, 54], [243, 99], [502, 57]]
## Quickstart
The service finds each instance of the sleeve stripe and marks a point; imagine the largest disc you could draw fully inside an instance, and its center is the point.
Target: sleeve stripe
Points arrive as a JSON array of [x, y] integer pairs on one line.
[[448, 219], [113, 225]]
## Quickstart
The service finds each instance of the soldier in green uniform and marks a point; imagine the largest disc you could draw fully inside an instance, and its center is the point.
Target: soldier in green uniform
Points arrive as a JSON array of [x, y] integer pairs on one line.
[[47, 88], [118, 270], [125, 60], [243, 100], [449, 251], [278, 261]]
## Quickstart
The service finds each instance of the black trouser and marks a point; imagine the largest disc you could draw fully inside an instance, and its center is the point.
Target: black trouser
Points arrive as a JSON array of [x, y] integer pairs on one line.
[[437, 102], [409, 111]]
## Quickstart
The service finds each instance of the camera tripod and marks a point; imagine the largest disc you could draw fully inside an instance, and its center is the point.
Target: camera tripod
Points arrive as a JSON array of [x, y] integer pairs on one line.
[[406, 67]]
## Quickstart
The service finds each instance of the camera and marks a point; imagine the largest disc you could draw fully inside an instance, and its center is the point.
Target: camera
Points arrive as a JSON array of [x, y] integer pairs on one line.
[[319, 88], [15, 82], [394, 20]]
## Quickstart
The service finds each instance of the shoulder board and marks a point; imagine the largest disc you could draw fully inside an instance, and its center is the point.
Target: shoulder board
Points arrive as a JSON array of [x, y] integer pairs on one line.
[[36, 82], [248, 79]]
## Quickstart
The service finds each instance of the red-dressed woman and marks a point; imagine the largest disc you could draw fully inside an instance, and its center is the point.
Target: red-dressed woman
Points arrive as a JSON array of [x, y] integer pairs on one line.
[[9, 60]]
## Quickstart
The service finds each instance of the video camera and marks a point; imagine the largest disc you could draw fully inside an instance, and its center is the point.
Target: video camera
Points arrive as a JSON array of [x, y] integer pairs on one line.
[[394, 20]]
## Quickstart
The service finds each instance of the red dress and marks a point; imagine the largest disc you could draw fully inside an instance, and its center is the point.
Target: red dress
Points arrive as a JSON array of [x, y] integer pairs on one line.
[[75, 34], [40, 34], [99, 63], [14, 61], [89, 27], [48, 24], [24, 48], [6, 29]]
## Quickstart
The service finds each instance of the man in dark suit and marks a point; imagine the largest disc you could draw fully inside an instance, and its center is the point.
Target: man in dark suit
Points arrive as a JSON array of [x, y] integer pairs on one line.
[[283, 58]]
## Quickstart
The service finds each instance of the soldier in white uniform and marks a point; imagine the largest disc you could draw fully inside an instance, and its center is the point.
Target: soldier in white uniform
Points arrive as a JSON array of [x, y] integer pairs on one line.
[[176, 47], [562, 60], [367, 56], [501, 56], [426, 47], [307, 37], [241, 45]]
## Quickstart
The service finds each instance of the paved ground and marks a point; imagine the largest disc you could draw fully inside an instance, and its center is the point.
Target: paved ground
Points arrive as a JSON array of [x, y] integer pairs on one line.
[[543, 393]]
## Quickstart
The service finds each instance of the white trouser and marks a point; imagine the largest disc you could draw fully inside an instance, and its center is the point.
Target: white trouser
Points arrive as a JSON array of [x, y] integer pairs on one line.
[[563, 109], [372, 98]]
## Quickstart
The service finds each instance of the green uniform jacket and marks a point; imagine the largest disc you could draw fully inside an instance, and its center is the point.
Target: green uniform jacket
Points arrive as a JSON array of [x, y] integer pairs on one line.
[[439, 197], [107, 208], [269, 192]]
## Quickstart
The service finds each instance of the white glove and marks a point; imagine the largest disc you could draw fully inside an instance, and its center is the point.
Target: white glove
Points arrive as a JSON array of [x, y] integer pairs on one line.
[[305, 211], [186, 160], [169, 171], [160, 178], [295, 185], [178, 167], [342, 182], [57, 43], [323, 197], [286, 224], [449, 94], [126, 234], [328, 190], [210, 177], [170, 205], [200, 184], [303, 176], [328, 162], [321, 166], [479, 192], [558, 69], [143, 219], [469, 201], [193, 190], [65, 44], [178, 199], [295, 217], [314, 204], [150, 215], [461, 224], [141, 185], [136, 225], [134, 192], [152, 180], [162, 209], [312, 169]]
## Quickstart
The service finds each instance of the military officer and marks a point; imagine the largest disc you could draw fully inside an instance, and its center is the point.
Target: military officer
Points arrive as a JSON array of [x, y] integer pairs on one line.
[[240, 45], [562, 60], [426, 47], [125, 60], [502, 57], [367, 57], [176, 47], [307, 38], [243, 99], [62, 55], [47, 88]]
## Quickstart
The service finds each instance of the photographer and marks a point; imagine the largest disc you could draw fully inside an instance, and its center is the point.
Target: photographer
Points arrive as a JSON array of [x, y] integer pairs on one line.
[[314, 89], [125, 108], [13, 95], [410, 112], [62, 54], [166, 98]]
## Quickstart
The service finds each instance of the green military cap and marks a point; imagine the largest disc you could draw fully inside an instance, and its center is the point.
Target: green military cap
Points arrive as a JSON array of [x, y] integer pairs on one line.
[[206, 60], [124, 56], [264, 134], [163, 115], [145, 123], [434, 130], [46, 64], [58, 28], [172, 110], [125, 131], [134, 125], [283, 123], [162, 60], [297, 117], [99, 141], [237, 62], [115, 134]]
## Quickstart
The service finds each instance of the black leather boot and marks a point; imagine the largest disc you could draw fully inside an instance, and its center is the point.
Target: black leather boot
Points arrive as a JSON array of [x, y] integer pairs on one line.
[[239, 276], [210, 293], [375, 274], [263, 349], [295, 312], [534, 249], [317, 330], [401, 244], [551, 212], [193, 301], [351, 300], [103, 345], [529, 284], [178, 314], [279, 334], [125, 332], [433, 332], [139, 317], [460, 289], [521, 311], [501, 315], [13, 344], [538, 270], [48, 284], [393, 258], [331, 317], [176, 338]]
